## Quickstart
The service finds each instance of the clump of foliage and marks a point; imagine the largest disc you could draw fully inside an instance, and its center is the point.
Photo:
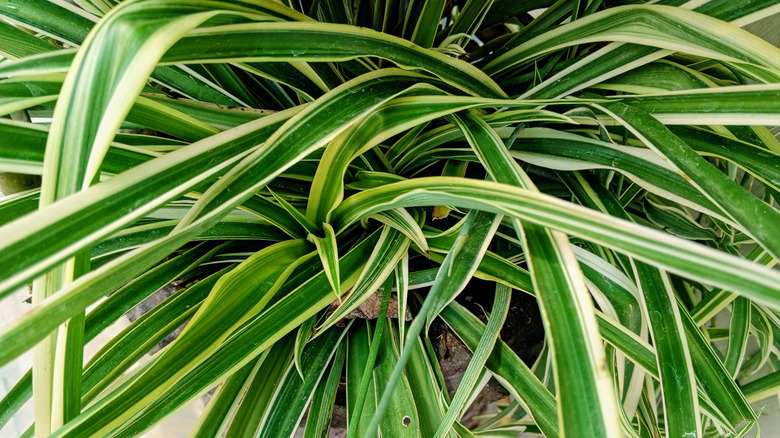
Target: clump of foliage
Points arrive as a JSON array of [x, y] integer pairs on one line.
[[611, 160]]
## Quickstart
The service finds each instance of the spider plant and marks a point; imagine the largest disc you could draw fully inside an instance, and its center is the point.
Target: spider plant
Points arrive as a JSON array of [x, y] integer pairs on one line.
[[283, 163]]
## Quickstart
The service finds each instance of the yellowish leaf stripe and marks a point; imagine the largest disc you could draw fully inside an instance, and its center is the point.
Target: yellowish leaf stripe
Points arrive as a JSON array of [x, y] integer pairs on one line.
[[566, 306], [327, 248], [733, 105], [294, 392], [755, 217], [480, 356], [113, 204], [657, 248], [259, 333], [715, 383], [402, 221], [660, 26], [318, 42], [417, 106], [402, 403], [333, 113], [71, 25], [402, 294], [509, 369], [452, 276], [617, 58], [390, 248]]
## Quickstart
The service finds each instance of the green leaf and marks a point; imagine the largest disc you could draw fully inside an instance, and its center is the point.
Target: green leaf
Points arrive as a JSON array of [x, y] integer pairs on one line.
[[654, 25], [132, 343], [15, 398], [654, 247], [367, 376], [656, 296], [259, 395], [87, 116], [401, 418], [14, 206], [756, 160], [402, 221], [302, 337], [106, 207], [53, 19], [426, 24], [462, 260], [323, 42], [762, 387], [222, 404], [327, 248], [508, 368], [296, 215], [123, 299], [412, 107], [540, 145], [390, 248], [738, 333], [674, 363], [322, 403], [470, 18], [332, 113], [19, 44], [235, 298], [402, 295], [451, 278], [486, 344], [617, 58], [715, 379], [260, 331], [293, 394], [359, 348], [581, 384], [750, 213], [427, 393], [738, 105]]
